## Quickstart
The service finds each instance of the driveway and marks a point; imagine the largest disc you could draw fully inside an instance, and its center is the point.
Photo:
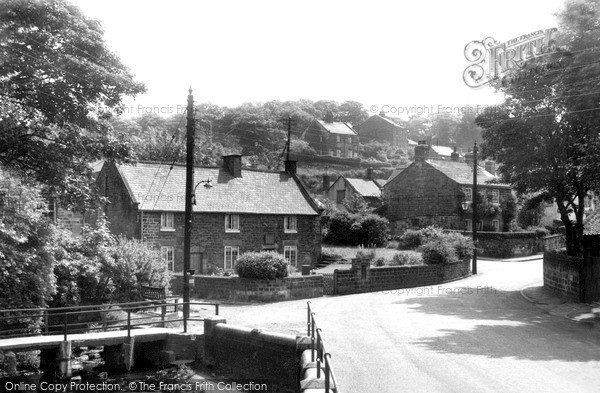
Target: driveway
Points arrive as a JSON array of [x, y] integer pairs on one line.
[[474, 335]]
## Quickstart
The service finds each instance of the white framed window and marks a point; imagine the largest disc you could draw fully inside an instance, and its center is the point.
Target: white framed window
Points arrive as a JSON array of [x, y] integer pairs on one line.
[[290, 224], [495, 196], [496, 225], [349, 139], [290, 253], [468, 194], [338, 138], [338, 152], [167, 253], [167, 221], [468, 225], [230, 256], [232, 222], [51, 207]]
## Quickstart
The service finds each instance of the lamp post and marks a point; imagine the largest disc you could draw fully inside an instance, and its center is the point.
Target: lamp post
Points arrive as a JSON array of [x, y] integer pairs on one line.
[[475, 215]]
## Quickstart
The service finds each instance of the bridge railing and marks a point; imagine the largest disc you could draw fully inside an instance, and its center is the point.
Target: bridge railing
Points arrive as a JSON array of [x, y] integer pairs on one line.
[[320, 353], [67, 320]]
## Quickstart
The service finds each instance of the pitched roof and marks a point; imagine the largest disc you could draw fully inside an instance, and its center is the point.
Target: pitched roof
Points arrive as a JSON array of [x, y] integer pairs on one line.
[[375, 117], [591, 225], [156, 188], [411, 142], [337, 127], [462, 173], [442, 150], [365, 187]]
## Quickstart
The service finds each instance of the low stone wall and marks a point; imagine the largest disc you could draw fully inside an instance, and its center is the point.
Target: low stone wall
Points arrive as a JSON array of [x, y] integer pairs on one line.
[[363, 278], [248, 290], [562, 273], [254, 354], [508, 244], [554, 242]]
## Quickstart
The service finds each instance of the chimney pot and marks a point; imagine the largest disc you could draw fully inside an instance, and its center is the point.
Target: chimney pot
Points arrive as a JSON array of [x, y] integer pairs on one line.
[[233, 164], [422, 151], [291, 166]]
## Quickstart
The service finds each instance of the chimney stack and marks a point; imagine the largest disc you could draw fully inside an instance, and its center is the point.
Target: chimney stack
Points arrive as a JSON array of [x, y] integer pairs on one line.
[[454, 156], [291, 166], [469, 157], [490, 166], [326, 183], [422, 151], [369, 174], [329, 117], [233, 164]]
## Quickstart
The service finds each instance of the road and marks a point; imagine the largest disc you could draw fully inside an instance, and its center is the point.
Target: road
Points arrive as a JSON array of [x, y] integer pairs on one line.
[[474, 335]]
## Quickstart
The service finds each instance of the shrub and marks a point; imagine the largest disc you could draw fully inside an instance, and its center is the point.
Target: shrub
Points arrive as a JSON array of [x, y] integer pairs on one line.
[[438, 251], [407, 258], [412, 239], [463, 246], [366, 253], [380, 261], [539, 231], [264, 264], [354, 229]]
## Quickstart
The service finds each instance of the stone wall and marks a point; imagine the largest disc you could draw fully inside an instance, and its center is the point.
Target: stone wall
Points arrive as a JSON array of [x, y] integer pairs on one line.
[[554, 242], [363, 278], [562, 273], [508, 244], [248, 290]]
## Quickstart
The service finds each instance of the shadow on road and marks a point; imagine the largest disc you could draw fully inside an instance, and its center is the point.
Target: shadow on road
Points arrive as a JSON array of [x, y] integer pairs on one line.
[[502, 324]]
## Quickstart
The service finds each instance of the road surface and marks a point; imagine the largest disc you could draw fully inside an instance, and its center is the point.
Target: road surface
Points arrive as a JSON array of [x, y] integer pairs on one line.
[[474, 335]]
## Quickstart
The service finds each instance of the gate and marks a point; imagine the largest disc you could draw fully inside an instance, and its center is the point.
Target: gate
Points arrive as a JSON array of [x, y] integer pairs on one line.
[[328, 284]]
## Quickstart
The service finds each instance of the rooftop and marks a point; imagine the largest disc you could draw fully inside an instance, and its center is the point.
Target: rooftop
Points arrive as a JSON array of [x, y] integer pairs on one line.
[[337, 127], [157, 188], [591, 225], [462, 173], [365, 187]]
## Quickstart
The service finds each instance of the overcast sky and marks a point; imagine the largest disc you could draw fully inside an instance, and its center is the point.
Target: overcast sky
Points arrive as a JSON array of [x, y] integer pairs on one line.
[[401, 54]]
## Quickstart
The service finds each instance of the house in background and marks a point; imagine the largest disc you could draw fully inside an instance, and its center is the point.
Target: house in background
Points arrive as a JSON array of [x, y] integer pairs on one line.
[[551, 214], [432, 192], [332, 138], [381, 129], [345, 188], [242, 210]]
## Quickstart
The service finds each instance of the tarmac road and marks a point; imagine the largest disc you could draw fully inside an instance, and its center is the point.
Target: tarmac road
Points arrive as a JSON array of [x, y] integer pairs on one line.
[[474, 335]]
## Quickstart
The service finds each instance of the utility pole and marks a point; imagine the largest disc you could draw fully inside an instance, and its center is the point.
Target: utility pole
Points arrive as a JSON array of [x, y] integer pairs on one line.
[[189, 180], [475, 212], [286, 149]]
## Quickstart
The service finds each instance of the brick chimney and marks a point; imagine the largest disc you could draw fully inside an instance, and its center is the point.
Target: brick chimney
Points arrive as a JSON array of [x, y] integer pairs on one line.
[[454, 156], [326, 183], [369, 174], [422, 151], [490, 166], [233, 164], [329, 117], [469, 157], [291, 166]]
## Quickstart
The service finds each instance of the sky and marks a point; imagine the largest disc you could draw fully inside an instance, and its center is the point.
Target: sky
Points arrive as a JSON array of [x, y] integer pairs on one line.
[[402, 57]]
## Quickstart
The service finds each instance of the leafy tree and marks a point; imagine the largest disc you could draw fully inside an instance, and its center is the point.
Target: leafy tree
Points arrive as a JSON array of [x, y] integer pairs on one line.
[[545, 136], [352, 112], [467, 131], [61, 85], [356, 204], [443, 129]]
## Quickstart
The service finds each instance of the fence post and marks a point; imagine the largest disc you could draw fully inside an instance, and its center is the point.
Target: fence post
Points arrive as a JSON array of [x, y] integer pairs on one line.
[[308, 318], [46, 320], [65, 326], [128, 323], [326, 356]]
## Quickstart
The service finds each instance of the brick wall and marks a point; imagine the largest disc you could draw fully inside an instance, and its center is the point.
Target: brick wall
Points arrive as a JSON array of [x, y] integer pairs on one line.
[[562, 274], [247, 290], [509, 244], [369, 279]]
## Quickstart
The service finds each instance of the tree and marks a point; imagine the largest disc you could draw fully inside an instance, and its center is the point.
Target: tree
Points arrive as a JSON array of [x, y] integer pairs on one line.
[[62, 84], [545, 135], [352, 112]]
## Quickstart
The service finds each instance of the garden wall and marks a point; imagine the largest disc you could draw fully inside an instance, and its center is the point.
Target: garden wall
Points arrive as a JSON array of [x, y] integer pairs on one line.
[[562, 273], [248, 289], [363, 278], [509, 244]]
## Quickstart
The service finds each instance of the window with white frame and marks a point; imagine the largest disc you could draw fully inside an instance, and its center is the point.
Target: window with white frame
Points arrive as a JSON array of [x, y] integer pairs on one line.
[[495, 196], [496, 225], [232, 222], [290, 224], [167, 253], [51, 209], [167, 222], [468, 194], [231, 254], [468, 225], [290, 253]]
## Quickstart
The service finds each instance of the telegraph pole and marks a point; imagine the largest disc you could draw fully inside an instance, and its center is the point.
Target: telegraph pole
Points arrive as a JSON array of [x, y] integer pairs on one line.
[[475, 213], [189, 180]]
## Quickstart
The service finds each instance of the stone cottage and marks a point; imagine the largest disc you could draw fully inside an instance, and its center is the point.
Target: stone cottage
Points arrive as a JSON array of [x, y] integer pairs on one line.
[[381, 129], [332, 138], [432, 192], [236, 210]]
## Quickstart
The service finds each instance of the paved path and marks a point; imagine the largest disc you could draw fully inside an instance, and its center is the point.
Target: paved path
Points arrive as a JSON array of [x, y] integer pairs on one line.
[[475, 335]]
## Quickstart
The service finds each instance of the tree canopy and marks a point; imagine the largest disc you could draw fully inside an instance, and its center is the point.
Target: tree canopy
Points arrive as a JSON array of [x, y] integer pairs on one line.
[[545, 136], [61, 85]]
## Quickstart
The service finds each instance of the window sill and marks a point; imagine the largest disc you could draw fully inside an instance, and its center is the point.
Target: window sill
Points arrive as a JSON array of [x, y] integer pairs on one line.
[[232, 231], [167, 229], [290, 231]]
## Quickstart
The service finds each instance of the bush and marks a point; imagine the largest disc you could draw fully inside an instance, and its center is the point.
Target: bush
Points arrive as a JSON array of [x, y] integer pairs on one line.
[[412, 239], [407, 258], [380, 261], [437, 252], [354, 229], [463, 246], [366, 253], [264, 264], [539, 231]]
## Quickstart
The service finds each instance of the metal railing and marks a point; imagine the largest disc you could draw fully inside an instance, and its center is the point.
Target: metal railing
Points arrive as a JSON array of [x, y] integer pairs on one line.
[[320, 353], [52, 321]]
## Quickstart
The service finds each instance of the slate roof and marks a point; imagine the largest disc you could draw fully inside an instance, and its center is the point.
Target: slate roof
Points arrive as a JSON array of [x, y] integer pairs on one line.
[[256, 192], [337, 128], [462, 173], [443, 150], [591, 225], [365, 187], [411, 142]]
